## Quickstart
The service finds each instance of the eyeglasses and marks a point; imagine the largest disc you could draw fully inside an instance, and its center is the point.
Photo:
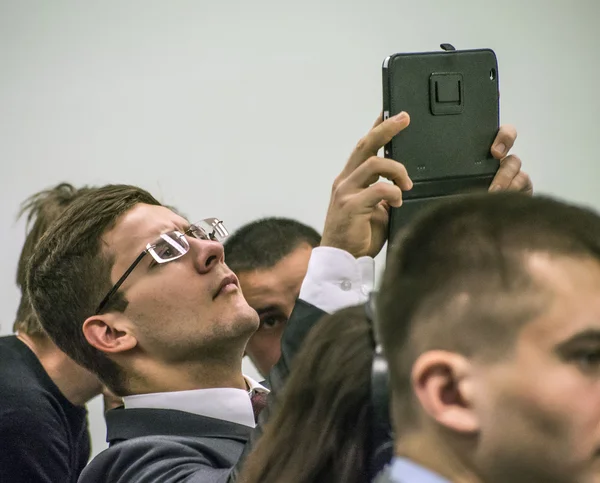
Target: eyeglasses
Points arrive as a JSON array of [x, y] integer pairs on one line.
[[171, 246]]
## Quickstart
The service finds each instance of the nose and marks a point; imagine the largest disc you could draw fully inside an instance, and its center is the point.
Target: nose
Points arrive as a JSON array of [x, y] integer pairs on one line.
[[207, 255]]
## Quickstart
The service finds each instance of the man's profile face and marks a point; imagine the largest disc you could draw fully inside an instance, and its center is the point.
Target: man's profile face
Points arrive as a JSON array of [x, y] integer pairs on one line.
[[539, 409], [180, 309], [272, 292]]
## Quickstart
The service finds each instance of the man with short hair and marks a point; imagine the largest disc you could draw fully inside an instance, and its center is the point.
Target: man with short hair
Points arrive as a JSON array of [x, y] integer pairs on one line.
[[489, 313], [270, 258], [143, 298], [44, 433]]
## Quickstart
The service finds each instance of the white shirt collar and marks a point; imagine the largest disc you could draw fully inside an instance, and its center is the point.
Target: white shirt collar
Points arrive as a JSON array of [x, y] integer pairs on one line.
[[224, 403], [254, 386]]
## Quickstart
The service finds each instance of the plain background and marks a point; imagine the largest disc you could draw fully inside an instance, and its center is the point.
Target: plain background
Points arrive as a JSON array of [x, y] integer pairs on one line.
[[244, 109]]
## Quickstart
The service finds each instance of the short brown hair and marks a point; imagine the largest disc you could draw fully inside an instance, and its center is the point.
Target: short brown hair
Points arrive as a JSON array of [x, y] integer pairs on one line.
[[320, 427], [457, 278], [41, 210], [69, 273]]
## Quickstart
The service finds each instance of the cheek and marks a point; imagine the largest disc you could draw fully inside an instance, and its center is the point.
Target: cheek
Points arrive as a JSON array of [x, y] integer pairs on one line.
[[264, 349], [553, 410], [570, 400], [170, 293], [266, 342], [288, 307]]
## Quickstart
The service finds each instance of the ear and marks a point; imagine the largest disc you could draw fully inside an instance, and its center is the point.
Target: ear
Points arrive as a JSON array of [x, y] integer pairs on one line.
[[443, 384], [109, 333]]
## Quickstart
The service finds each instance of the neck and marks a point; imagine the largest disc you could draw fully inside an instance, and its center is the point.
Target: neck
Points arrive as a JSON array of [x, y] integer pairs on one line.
[[435, 454], [153, 376], [76, 383]]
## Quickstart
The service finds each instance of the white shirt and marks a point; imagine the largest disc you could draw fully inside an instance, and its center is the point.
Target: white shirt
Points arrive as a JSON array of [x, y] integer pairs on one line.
[[334, 280], [227, 403]]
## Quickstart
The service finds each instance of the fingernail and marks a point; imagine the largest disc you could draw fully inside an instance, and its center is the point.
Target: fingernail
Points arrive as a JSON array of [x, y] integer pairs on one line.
[[495, 187], [500, 148], [400, 117]]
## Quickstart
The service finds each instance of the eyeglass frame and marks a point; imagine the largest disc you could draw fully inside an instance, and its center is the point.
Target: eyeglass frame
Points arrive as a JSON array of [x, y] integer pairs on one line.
[[215, 223]]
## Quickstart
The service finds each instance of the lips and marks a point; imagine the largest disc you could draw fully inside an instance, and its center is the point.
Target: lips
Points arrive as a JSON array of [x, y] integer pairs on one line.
[[228, 280]]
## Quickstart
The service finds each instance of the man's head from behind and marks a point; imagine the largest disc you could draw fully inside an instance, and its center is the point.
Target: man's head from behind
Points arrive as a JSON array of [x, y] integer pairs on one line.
[[40, 211], [177, 303], [270, 257], [490, 316]]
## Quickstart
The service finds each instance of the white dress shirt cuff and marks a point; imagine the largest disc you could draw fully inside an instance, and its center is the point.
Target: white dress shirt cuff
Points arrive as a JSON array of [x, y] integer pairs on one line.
[[335, 279]]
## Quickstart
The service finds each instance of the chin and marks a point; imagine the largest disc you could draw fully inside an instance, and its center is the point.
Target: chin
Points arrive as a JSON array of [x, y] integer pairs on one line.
[[244, 319], [237, 318], [251, 319]]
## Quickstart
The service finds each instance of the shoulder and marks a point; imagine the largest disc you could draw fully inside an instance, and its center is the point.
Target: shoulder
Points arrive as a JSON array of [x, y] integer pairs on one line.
[[28, 411], [31, 421], [33, 445], [25, 398], [24, 384], [13, 365], [164, 458], [19, 368]]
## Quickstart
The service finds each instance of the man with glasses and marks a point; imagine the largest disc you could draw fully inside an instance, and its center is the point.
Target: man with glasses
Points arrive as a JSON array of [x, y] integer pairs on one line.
[[142, 298]]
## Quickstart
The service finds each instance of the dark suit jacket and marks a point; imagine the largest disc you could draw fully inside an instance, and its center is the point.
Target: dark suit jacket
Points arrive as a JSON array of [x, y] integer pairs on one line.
[[385, 477], [303, 319], [168, 446]]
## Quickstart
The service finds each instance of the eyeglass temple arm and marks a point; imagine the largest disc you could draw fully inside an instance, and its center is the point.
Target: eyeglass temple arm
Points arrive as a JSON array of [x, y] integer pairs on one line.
[[117, 285]]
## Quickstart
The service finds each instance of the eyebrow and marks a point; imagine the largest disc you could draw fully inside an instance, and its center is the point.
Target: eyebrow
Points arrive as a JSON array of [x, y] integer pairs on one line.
[[171, 229], [268, 309]]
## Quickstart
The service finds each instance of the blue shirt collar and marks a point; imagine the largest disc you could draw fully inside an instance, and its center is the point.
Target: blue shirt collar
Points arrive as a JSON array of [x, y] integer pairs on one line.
[[404, 470]]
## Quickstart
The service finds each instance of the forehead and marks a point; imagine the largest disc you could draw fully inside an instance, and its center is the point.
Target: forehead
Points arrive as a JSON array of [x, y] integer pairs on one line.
[[283, 280], [572, 286], [140, 226]]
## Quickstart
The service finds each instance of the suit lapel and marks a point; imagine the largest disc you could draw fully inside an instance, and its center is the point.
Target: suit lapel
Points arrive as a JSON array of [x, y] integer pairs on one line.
[[123, 424]]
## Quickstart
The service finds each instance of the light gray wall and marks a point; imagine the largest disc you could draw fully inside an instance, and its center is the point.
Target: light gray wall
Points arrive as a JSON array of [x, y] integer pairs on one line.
[[240, 109]]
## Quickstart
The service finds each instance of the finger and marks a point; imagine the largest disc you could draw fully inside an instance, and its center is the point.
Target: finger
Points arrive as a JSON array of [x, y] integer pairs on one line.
[[374, 167], [385, 205], [381, 214], [377, 137], [378, 121], [369, 198], [509, 169], [505, 140], [522, 182]]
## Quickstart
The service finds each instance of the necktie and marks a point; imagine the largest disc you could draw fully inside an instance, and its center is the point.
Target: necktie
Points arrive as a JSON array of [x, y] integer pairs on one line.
[[259, 402]]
